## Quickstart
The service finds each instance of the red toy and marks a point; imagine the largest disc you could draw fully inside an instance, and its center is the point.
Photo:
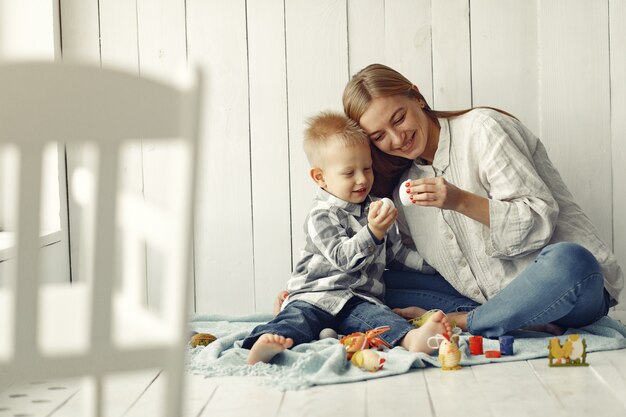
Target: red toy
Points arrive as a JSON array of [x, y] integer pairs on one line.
[[359, 341], [492, 354], [476, 345]]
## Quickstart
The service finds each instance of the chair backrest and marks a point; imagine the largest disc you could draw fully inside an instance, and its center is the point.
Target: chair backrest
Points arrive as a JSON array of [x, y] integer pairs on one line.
[[101, 324]]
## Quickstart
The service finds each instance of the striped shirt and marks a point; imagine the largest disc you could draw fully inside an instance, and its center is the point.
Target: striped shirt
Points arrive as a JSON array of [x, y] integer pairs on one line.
[[493, 155], [341, 259]]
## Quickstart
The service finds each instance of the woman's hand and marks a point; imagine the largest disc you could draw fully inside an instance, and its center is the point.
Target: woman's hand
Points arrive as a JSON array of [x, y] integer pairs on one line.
[[437, 192], [380, 218]]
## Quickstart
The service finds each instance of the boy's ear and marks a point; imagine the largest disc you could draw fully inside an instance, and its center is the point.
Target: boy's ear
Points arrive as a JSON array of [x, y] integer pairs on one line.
[[318, 177]]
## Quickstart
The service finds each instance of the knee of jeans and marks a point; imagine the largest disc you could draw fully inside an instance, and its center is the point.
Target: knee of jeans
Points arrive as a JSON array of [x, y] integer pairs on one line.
[[573, 260]]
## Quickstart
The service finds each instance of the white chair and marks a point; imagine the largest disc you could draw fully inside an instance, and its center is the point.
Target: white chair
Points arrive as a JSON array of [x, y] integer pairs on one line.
[[100, 324]]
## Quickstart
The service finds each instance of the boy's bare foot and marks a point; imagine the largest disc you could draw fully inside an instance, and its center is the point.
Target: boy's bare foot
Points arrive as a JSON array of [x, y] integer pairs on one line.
[[416, 340], [409, 312], [267, 346], [278, 302]]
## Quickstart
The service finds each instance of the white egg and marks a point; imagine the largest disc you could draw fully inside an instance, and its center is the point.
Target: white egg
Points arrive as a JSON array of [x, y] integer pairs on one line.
[[404, 196], [388, 202], [328, 333]]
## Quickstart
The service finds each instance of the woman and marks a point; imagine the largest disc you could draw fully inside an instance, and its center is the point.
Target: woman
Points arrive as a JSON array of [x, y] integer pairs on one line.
[[490, 213]]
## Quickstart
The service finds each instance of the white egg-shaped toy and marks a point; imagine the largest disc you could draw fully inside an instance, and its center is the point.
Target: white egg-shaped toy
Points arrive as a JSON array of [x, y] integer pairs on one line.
[[404, 196], [328, 333], [388, 202]]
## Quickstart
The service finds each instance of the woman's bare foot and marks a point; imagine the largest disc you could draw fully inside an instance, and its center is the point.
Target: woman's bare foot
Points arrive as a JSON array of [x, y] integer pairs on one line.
[[460, 319], [278, 302], [267, 346], [409, 312], [416, 340]]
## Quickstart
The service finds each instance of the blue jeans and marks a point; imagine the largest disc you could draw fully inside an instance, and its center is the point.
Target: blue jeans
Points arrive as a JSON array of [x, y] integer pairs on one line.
[[303, 322], [564, 286]]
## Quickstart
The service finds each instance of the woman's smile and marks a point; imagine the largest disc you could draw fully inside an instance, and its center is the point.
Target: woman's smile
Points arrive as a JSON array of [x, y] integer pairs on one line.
[[408, 145]]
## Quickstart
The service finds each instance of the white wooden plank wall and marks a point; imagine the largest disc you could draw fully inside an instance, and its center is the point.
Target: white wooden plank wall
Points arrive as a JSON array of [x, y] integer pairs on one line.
[[317, 70], [504, 59], [575, 101], [269, 148], [271, 64], [617, 46]]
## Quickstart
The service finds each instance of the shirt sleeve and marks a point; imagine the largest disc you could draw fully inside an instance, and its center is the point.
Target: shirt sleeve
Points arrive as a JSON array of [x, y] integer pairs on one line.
[[331, 239], [522, 209]]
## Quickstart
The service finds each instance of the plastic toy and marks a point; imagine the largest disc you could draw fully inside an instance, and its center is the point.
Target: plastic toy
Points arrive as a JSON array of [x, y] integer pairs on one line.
[[493, 354], [388, 202], [476, 345], [573, 352], [506, 345], [201, 339], [449, 354], [368, 360], [360, 341]]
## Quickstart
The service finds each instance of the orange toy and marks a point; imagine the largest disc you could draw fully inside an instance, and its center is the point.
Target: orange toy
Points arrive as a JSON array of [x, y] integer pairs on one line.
[[359, 341]]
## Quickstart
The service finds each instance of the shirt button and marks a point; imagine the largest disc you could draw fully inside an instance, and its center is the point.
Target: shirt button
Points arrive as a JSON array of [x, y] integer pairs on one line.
[[462, 263], [450, 236]]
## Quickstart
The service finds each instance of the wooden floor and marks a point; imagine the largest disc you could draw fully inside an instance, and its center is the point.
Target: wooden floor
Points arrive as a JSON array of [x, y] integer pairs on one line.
[[524, 388]]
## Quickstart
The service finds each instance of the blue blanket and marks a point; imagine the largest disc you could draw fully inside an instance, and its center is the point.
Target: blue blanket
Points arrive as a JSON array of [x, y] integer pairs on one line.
[[324, 361]]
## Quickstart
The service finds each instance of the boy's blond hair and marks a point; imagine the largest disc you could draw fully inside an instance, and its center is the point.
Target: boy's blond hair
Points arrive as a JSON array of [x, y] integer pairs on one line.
[[329, 126]]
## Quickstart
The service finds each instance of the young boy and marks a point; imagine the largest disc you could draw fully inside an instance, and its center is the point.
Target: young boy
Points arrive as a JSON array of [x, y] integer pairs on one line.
[[350, 239]]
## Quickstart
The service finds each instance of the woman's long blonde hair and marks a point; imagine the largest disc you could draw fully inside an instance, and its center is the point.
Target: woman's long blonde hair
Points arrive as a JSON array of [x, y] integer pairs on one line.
[[377, 80]]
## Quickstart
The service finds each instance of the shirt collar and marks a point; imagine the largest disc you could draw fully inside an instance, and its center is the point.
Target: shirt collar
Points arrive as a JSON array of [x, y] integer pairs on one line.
[[356, 209], [442, 155]]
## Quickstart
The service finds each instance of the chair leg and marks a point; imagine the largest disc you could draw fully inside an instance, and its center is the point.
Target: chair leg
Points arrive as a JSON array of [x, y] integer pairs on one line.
[[91, 393], [175, 388]]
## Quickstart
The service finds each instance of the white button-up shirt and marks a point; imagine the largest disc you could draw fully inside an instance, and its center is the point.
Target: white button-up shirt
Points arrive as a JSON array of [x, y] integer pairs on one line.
[[494, 156]]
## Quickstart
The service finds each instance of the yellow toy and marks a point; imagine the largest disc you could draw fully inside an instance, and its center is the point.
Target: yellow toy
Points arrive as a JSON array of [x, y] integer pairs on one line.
[[419, 321], [368, 360], [360, 341], [449, 354], [579, 349], [573, 352], [201, 339]]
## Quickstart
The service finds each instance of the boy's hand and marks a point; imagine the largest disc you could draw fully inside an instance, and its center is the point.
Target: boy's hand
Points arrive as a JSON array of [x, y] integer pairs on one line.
[[380, 218], [278, 302]]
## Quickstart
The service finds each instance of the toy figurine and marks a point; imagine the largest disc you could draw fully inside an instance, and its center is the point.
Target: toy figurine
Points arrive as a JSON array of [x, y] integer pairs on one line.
[[368, 360], [449, 354], [579, 349], [360, 341], [201, 339], [573, 352]]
